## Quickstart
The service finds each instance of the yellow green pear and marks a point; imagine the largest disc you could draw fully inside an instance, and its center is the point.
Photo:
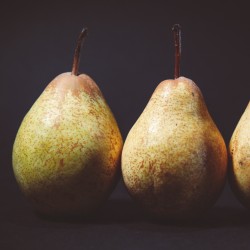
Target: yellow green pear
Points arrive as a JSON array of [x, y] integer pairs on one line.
[[174, 160], [66, 155], [239, 148]]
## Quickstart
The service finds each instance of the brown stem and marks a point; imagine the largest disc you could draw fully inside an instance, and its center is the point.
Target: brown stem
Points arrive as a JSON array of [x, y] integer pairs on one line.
[[177, 43], [76, 61]]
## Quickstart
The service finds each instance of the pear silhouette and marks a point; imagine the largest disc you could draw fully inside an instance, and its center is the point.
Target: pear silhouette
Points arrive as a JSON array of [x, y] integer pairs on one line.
[[66, 155], [174, 159], [239, 148]]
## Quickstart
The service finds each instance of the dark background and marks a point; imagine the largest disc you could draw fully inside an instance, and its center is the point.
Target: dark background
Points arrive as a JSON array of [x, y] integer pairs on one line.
[[129, 51]]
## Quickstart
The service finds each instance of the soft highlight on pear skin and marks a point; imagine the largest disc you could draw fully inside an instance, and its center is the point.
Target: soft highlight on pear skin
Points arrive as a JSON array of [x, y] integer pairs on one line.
[[174, 160], [66, 155]]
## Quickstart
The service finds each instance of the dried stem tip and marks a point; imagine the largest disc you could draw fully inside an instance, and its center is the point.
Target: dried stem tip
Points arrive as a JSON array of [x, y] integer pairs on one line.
[[177, 43], [76, 61]]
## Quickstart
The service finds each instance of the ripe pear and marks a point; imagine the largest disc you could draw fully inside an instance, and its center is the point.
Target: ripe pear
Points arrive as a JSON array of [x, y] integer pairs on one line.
[[66, 155], [174, 159], [239, 148]]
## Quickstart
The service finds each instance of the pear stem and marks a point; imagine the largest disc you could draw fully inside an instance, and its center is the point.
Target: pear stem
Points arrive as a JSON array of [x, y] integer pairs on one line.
[[76, 61], [177, 43]]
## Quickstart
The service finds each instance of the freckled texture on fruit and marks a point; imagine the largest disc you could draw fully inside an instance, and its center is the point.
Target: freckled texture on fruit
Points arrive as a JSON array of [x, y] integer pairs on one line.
[[239, 148], [66, 155], [174, 159]]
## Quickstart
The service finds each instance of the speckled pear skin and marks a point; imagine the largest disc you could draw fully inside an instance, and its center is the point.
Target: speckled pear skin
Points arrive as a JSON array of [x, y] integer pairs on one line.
[[174, 160], [239, 148], [66, 155]]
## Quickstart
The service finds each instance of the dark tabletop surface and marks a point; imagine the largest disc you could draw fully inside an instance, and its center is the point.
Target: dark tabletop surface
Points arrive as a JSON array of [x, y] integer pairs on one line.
[[120, 224], [128, 51]]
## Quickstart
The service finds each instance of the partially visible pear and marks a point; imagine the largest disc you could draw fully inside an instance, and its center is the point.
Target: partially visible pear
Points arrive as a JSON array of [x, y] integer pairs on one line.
[[174, 159], [239, 148], [66, 155]]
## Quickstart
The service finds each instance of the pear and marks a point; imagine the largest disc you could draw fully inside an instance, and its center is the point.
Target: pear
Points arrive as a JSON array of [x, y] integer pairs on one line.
[[239, 148], [66, 155], [174, 160]]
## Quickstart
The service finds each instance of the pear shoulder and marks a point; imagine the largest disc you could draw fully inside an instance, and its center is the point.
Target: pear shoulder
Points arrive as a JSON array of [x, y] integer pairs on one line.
[[76, 84], [240, 140], [179, 83]]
